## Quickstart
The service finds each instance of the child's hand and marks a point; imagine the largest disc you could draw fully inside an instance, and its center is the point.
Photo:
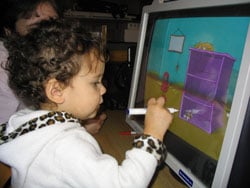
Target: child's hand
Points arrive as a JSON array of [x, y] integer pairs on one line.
[[157, 119], [94, 125]]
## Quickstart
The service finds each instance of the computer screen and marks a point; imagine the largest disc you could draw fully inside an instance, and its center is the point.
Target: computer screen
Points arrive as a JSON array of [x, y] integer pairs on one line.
[[195, 55]]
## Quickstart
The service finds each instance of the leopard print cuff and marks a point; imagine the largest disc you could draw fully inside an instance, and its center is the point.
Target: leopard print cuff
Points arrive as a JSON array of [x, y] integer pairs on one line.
[[151, 145]]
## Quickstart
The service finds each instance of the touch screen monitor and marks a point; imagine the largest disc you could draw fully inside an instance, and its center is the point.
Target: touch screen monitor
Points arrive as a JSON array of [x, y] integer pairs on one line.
[[196, 54]]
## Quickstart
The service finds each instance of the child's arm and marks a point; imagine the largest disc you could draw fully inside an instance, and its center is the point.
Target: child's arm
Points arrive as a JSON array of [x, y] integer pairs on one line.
[[157, 122]]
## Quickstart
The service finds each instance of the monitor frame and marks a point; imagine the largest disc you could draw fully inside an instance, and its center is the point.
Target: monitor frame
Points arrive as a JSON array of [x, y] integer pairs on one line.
[[240, 99]]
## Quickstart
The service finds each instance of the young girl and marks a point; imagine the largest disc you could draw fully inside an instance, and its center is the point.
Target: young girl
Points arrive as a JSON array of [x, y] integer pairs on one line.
[[20, 16], [59, 72]]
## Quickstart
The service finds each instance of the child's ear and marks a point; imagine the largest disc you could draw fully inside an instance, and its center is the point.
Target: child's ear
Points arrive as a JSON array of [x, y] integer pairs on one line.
[[54, 91]]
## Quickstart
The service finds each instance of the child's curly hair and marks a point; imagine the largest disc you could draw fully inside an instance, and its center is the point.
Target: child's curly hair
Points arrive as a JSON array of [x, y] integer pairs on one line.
[[48, 51]]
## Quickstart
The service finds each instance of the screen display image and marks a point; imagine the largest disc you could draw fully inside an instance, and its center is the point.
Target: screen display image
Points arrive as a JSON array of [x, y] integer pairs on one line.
[[193, 58]]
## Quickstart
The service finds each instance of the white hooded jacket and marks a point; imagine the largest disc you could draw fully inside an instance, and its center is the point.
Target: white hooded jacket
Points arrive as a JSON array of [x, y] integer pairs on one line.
[[66, 155]]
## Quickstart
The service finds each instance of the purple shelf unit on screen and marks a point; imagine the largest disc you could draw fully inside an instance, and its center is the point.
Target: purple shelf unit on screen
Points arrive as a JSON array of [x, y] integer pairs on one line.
[[205, 89]]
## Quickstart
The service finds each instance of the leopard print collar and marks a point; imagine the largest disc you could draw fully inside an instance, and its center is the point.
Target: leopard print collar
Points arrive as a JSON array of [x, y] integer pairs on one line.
[[35, 123]]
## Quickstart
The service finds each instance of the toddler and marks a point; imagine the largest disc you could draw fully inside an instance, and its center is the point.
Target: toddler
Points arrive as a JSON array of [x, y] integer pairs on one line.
[[59, 72]]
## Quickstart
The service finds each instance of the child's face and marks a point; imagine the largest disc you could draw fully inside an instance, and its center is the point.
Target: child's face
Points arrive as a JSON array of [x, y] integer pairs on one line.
[[84, 94]]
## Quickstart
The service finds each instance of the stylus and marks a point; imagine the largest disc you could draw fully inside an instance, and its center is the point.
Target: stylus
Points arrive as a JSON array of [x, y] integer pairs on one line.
[[128, 133], [142, 111]]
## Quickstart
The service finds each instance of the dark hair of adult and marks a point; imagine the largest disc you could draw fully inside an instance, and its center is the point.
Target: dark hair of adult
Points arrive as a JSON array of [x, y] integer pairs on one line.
[[12, 10]]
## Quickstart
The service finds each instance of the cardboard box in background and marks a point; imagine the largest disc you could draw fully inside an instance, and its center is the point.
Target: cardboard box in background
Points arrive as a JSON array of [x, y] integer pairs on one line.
[[131, 33]]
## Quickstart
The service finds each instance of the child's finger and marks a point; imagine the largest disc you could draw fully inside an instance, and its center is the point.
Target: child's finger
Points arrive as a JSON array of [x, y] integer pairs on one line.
[[161, 100], [151, 101]]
